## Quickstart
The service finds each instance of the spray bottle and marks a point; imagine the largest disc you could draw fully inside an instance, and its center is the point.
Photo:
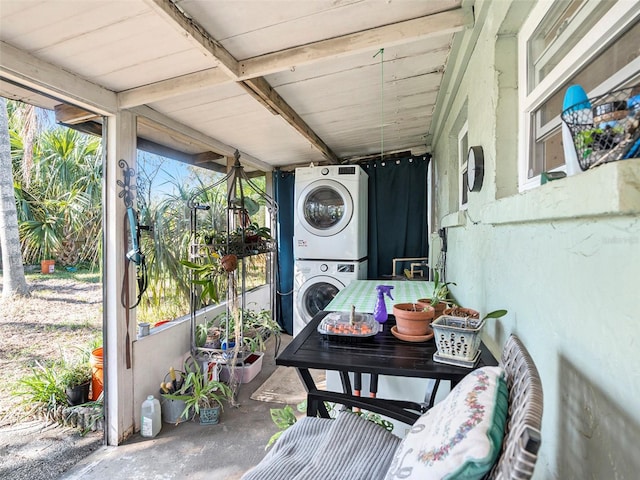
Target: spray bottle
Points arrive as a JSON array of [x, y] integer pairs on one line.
[[380, 310]]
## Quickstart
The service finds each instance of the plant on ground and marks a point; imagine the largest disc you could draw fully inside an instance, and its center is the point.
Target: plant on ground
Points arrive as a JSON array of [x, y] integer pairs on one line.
[[198, 391], [45, 387], [75, 374], [41, 388]]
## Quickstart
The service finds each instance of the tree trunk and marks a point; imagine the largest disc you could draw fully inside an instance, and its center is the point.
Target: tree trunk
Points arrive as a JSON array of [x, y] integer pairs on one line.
[[13, 280]]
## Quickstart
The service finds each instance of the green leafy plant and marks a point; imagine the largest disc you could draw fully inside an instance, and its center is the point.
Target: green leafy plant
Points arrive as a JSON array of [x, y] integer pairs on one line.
[[495, 314], [440, 290], [41, 387], [197, 391], [257, 326], [201, 334], [377, 419], [75, 374], [208, 275], [285, 417], [256, 231]]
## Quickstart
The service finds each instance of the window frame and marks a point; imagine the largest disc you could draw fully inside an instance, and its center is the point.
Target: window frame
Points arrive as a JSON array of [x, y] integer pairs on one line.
[[463, 166], [613, 23]]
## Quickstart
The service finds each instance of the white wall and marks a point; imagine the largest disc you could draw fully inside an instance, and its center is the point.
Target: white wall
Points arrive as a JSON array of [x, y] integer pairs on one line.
[[563, 259], [170, 345]]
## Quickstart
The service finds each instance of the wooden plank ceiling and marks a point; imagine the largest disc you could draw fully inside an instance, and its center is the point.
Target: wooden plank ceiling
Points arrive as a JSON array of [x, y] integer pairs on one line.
[[285, 82]]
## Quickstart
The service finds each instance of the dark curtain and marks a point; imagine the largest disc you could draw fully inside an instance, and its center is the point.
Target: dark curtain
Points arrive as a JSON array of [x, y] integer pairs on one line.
[[397, 212], [284, 185]]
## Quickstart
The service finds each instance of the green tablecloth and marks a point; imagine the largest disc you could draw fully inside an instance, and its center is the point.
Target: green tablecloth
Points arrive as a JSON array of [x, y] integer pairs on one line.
[[363, 294]]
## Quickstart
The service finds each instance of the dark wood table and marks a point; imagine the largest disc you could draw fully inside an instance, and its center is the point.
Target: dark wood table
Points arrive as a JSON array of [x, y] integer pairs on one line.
[[383, 355]]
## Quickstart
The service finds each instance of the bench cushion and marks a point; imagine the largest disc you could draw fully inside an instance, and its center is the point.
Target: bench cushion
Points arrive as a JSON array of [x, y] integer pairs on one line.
[[460, 437], [348, 447]]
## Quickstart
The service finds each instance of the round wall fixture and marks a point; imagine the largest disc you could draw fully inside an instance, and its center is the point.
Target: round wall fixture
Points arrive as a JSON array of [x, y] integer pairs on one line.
[[475, 168]]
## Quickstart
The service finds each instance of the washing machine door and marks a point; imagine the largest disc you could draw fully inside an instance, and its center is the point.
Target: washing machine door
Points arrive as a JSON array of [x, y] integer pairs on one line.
[[315, 294], [325, 207]]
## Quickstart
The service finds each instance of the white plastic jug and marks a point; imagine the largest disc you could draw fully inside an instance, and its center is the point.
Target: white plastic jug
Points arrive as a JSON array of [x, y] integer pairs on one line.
[[150, 417]]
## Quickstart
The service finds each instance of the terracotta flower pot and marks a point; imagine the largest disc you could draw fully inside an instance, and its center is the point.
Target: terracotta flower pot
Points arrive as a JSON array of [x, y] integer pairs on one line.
[[413, 319], [438, 307], [229, 262]]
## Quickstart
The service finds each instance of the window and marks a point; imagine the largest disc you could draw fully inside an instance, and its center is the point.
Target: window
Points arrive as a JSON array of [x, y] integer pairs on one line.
[[594, 44], [463, 148]]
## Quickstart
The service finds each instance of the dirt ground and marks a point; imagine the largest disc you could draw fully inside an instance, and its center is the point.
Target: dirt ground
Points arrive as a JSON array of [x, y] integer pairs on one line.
[[61, 315]]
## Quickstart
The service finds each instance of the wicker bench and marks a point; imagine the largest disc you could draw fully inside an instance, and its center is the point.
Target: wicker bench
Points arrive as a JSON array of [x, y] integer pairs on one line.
[[349, 447]]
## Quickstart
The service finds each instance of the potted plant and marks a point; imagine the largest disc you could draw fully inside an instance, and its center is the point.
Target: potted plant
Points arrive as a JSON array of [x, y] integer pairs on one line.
[[201, 395], [255, 233], [76, 379], [457, 336], [457, 311], [207, 336], [413, 319], [439, 297], [257, 326]]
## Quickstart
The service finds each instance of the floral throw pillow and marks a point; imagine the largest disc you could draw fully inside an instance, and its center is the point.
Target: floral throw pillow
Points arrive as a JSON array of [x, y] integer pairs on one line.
[[460, 437]]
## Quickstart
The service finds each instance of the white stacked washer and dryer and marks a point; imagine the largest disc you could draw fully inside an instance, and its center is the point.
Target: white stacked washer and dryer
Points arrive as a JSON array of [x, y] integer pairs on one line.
[[330, 236]]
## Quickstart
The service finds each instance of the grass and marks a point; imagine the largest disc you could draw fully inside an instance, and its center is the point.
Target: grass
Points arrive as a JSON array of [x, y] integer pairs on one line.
[[79, 276], [63, 312]]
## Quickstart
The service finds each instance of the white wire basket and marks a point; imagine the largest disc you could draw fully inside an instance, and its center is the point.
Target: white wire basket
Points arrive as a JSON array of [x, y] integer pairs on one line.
[[457, 339], [606, 128]]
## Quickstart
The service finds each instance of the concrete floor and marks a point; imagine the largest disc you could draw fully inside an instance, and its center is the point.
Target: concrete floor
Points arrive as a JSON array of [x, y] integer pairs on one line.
[[189, 450]]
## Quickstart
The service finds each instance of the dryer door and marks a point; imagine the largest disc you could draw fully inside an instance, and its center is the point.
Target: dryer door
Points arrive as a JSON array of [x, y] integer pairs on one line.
[[315, 294], [325, 207]]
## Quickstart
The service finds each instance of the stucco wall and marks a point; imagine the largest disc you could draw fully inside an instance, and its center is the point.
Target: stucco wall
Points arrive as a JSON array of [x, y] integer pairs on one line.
[[563, 259]]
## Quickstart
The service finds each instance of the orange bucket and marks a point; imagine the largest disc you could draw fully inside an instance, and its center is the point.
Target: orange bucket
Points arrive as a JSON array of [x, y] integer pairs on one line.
[[95, 359], [47, 266]]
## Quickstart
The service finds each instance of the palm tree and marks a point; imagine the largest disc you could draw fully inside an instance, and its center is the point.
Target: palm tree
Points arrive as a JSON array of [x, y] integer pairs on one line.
[[59, 204], [14, 282]]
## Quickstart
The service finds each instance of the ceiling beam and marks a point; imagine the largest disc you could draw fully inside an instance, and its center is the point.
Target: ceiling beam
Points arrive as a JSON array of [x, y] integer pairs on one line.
[[71, 115], [179, 19], [261, 88], [94, 128], [444, 23], [168, 152], [25, 69], [157, 120], [172, 87], [206, 157], [397, 33], [258, 87]]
